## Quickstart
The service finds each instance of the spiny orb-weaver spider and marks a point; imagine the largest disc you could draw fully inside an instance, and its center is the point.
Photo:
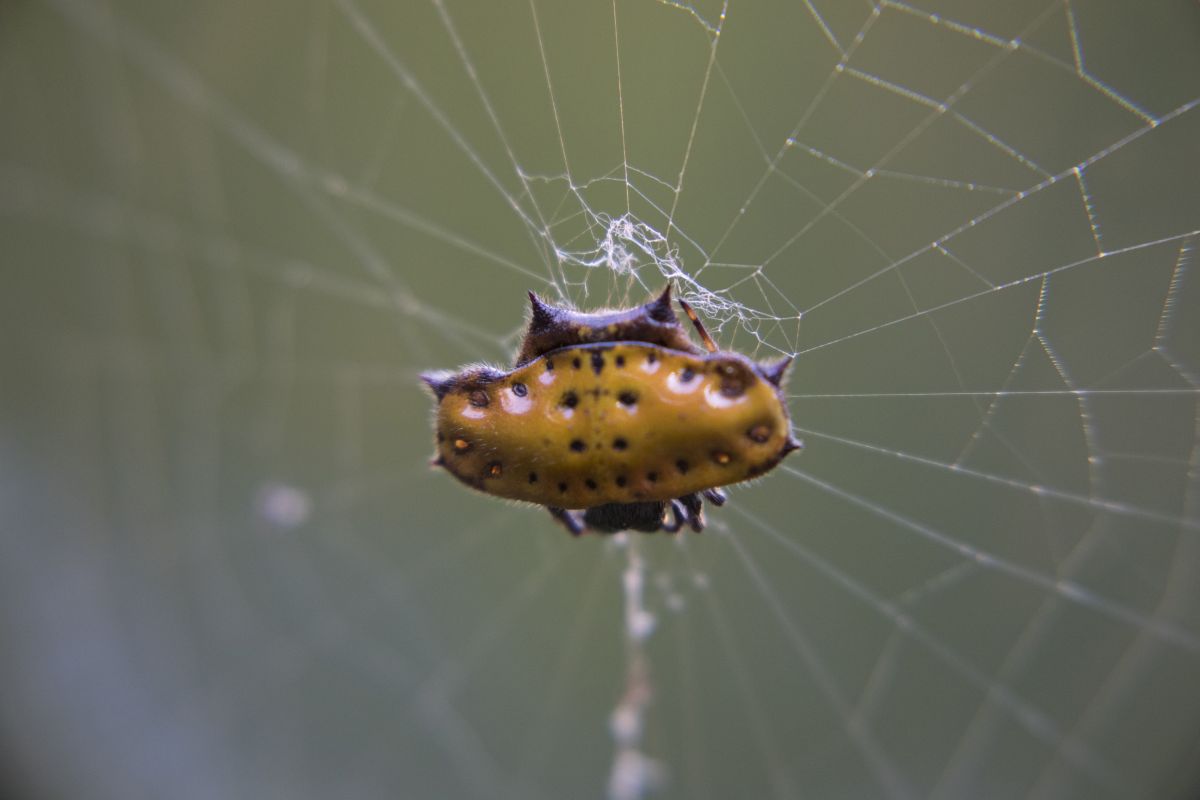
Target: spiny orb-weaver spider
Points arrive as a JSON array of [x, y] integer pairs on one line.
[[613, 420]]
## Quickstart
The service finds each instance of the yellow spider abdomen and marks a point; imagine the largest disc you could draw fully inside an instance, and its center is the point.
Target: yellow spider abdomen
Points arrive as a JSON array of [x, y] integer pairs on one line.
[[614, 422]]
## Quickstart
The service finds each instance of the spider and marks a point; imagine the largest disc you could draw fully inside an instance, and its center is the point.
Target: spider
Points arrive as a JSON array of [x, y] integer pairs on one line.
[[613, 420]]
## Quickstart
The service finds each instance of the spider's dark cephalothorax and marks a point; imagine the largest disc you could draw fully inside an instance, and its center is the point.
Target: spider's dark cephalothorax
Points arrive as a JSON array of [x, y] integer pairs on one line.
[[613, 420]]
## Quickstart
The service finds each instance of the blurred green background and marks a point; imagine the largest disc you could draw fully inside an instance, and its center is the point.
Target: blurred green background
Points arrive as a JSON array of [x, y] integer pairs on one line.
[[233, 234]]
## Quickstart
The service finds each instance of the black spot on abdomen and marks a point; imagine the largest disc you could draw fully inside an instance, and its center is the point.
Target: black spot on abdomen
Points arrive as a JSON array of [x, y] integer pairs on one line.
[[597, 363]]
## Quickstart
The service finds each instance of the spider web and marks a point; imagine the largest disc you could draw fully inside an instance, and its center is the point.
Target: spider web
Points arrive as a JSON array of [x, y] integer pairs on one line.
[[235, 235]]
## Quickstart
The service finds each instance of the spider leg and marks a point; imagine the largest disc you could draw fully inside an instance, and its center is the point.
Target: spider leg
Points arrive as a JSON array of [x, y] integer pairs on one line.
[[695, 511], [715, 496], [709, 344], [678, 514], [569, 521]]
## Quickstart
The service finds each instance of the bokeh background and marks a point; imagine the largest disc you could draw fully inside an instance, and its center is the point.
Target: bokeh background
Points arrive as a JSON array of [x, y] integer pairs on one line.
[[234, 233]]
